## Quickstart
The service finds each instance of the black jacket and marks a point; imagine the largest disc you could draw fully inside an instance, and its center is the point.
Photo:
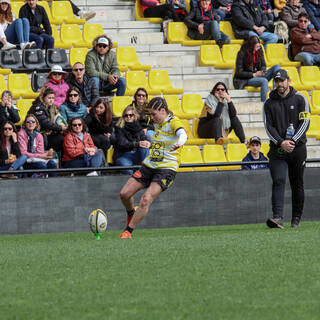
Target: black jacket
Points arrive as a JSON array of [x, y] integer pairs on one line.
[[4, 153], [245, 16], [95, 126], [242, 72], [277, 116], [7, 114], [36, 20], [89, 90]]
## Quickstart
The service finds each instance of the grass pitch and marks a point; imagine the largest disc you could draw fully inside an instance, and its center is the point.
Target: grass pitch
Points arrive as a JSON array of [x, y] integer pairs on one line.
[[230, 272]]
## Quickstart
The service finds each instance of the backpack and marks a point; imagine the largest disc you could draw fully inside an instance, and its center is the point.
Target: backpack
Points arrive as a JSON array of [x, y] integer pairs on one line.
[[282, 31]]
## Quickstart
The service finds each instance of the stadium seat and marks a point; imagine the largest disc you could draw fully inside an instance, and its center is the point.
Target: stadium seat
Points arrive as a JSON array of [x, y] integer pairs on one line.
[[15, 7], [192, 139], [195, 124], [265, 147], [57, 40], [229, 54], [191, 155], [192, 104], [306, 94], [37, 80], [277, 54], [235, 153], [33, 59], [314, 128], [119, 103], [210, 55], [214, 153], [225, 27], [138, 79], [71, 35], [159, 80], [127, 57], [23, 105], [62, 13], [139, 14], [310, 76], [5, 71], [177, 33], [77, 55], [57, 56], [10, 59], [315, 98], [3, 85], [232, 137], [175, 106], [295, 79], [110, 156], [19, 85], [45, 5], [91, 31]]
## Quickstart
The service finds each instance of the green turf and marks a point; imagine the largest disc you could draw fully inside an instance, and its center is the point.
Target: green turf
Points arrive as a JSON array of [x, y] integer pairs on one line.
[[229, 272]]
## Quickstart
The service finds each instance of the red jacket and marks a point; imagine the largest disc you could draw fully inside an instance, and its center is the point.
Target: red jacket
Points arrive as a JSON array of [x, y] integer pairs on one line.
[[73, 147]]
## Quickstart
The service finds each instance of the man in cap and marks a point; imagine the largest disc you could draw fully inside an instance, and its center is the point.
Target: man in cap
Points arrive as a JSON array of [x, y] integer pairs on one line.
[[286, 118], [101, 65], [254, 154]]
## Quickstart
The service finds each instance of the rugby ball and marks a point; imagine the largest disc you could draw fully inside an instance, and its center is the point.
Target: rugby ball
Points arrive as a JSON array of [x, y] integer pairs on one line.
[[98, 221]]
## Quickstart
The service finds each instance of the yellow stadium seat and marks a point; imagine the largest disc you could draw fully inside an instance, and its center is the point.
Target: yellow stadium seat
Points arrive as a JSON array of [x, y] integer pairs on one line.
[[225, 27], [91, 31], [235, 153], [127, 56], [139, 14], [62, 13], [192, 104], [159, 80], [19, 85], [232, 137], [265, 147], [210, 55], [174, 105], [229, 54], [57, 40], [310, 76], [23, 106], [119, 103], [277, 54], [3, 85], [214, 153], [177, 33], [315, 98], [138, 79], [110, 155], [77, 55], [191, 138], [71, 35], [295, 79], [306, 94], [15, 7], [195, 124], [191, 155], [45, 5], [5, 71], [314, 128]]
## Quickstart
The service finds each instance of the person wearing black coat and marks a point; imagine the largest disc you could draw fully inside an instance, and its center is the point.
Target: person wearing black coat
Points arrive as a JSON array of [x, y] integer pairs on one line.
[[37, 16], [130, 143], [8, 112]]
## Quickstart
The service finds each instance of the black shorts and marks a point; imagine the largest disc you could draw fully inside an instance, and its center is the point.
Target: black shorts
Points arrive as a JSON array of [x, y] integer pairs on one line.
[[164, 177]]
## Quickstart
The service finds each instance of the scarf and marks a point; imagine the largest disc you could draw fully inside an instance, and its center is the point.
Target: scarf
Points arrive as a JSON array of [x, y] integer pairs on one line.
[[133, 127], [57, 81], [74, 106], [212, 103], [31, 138]]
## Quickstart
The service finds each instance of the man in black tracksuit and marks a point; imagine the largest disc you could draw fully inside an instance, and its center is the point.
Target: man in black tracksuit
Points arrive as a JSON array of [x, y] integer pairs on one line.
[[286, 119]]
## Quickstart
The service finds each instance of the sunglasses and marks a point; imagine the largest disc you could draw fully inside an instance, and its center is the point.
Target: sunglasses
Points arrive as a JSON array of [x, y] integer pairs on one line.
[[31, 121], [102, 46], [78, 69], [73, 95], [7, 129], [303, 21], [77, 124], [56, 74], [220, 89], [128, 115], [141, 95]]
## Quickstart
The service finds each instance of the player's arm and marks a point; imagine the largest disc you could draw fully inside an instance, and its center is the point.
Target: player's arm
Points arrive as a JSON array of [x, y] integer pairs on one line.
[[304, 113], [182, 138]]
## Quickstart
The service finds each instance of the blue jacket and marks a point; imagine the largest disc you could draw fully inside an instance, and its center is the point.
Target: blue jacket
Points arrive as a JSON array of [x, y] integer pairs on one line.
[[249, 157], [67, 113]]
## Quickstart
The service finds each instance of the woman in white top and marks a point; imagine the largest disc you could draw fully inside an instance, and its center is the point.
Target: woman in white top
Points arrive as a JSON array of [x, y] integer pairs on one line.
[[13, 31]]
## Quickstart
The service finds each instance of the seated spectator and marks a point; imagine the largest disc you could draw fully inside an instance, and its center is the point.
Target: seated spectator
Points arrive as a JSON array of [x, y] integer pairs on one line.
[[254, 155], [203, 24], [79, 149], [130, 142], [180, 7], [248, 20], [99, 122], [305, 42], [87, 86], [155, 9], [223, 8], [266, 7], [251, 68], [40, 28], [279, 4], [57, 83], [313, 10], [219, 116], [73, 106], [47, 113], [290, 12], [13, 31], [8, 111], [83, 14], [32, 146], [101, 65], [10, 155]]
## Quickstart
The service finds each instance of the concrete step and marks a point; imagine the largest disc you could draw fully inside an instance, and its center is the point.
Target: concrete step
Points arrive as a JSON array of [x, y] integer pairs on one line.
[[99, 3]]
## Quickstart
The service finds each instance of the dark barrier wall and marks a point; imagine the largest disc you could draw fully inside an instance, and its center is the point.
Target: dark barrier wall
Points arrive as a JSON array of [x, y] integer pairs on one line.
[[195, 199]]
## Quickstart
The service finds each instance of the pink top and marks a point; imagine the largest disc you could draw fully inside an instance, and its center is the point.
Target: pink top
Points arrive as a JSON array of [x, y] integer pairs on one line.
[[60, 90], [23, 144]]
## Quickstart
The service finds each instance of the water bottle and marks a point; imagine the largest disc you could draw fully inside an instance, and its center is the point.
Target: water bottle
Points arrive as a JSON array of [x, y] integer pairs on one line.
[[290, 132]]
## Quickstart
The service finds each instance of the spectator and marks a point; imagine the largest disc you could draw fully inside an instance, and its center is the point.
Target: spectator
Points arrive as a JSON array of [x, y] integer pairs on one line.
[[130, 142], [79, 149], [251, 68], [8, 111], [99, 122], [266, 7], [83, 14], [155, 9], [219, 116], [87, 86], [57, 83], [180, 7], [290, 12], [40, 28], [305, 42], [223, 8], [10, 155], [32, 146], [254, 154], [203, 24], [13, 31], [47, 113], [248, 20], [101, 64], [73, 106], [313, 9]]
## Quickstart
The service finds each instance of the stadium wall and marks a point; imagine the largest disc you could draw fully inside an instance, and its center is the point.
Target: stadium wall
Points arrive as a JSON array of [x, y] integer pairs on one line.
[[195, 199]]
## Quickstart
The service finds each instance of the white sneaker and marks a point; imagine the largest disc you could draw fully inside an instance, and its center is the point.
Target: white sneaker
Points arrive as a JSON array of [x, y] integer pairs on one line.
[[92, 174], [8, 46], [87, 15], [24, 45], [32, 45]]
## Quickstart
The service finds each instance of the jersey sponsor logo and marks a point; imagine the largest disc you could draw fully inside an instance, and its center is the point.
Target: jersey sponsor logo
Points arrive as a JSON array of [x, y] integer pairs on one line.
[[137, 174], [157, 153], [304, 115]]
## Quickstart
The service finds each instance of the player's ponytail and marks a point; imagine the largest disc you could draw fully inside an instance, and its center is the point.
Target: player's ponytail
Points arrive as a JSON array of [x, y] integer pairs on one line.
[[159, 103]]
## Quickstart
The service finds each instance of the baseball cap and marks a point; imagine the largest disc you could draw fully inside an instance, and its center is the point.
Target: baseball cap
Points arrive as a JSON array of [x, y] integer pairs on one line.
[[103, 41], [281, 75], [5, 1], [254, 139]]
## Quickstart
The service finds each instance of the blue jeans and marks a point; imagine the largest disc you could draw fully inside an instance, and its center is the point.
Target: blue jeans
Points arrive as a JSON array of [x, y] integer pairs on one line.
[[212, 28], [263, 81], [222, 14], [308, 59], [42, 40], [108, 87], [18, 31], [131, 158], [80, 162], [42, 165], [17, 165], [267, 37]]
